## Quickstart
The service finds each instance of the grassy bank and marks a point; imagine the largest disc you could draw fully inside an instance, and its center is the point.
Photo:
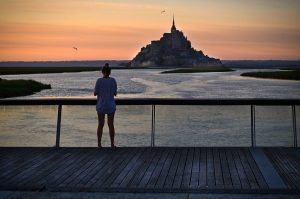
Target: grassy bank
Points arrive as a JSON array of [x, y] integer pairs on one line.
[[287, 75], [16, 88], [202, 69]]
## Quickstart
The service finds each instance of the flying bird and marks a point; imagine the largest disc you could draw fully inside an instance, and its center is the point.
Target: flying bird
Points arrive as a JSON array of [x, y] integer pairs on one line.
[[75, 48], [163, 11]]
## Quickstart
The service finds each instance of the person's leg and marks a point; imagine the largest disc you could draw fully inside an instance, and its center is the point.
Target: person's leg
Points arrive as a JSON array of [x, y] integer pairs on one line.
[[110, 122], [101, 118]]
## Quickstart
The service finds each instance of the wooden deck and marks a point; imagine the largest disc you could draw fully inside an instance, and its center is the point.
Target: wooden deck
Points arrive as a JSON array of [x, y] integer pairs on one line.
[[160, 169]]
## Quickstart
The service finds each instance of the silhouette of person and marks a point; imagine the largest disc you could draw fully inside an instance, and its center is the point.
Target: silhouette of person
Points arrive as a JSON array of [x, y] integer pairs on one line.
[[105, 90]]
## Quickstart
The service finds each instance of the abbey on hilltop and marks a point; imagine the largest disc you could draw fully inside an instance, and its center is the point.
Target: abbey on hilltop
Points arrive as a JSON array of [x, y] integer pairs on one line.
[[173, 49]]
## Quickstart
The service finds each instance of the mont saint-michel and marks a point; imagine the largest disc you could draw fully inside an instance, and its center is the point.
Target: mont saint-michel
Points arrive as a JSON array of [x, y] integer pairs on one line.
[[173, 49]]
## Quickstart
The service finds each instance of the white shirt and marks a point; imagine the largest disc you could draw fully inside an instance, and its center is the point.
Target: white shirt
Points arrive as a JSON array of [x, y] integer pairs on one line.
[[106, 89]]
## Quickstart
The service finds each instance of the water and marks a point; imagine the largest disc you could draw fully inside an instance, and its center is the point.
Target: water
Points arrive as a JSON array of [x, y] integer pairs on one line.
[[175, 125], [151, 83]]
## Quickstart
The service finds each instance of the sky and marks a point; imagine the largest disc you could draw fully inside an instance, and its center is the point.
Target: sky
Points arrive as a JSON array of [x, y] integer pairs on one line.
[[39, 30]]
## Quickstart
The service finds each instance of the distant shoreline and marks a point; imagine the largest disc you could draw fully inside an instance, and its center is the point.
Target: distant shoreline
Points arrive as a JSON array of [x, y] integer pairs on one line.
[[204, 69], [48, 70], [123, 62], [13, 70], [45, 70]]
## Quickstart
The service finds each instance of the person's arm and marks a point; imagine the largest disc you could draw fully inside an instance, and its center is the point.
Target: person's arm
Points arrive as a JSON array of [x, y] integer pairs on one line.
[[116, 88], [96, 88]]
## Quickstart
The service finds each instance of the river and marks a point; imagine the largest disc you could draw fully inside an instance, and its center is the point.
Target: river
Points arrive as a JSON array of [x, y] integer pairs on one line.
[[175, 125]]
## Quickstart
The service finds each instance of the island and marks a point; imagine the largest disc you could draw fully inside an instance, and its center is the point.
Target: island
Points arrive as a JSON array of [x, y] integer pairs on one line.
[[20, 87], [172, 50]]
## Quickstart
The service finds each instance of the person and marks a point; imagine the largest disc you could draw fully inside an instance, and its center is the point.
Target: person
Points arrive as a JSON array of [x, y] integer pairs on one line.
[[105, 90]]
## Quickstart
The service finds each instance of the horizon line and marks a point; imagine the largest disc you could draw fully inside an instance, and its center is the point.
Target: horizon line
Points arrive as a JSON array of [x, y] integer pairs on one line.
[[130, 60]]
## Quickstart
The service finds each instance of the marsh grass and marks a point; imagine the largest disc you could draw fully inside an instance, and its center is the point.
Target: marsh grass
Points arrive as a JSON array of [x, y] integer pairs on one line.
[[287, 75], [15, 88]]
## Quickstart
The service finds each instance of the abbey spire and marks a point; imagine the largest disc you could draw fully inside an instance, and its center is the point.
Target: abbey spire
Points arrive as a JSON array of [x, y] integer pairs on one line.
[[173, 26]]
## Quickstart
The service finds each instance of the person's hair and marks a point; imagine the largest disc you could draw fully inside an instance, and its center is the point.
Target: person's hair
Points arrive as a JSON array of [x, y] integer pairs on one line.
[[106, 69]]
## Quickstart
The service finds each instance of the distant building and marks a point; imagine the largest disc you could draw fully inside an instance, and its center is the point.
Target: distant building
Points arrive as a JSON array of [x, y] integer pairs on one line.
[[173, 49]]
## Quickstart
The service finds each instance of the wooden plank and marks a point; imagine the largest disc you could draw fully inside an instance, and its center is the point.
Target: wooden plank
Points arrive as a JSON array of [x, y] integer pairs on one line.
[[78, 168], [132, 165], [12, 161], [257, 173], [40, 175], [225, 169], [292, 168], [116, 156], [195, 169], [218, 170], [119, 167], [240, 169], [57, 171], [152, 167], [24, 164], [233, 170], [270, 174], [12, 157], [285, 169], [172, 172], [287, 164], [102, 156], [158, 169], [19, 174], [188, 169], [15, 156], [211, 183], [180, 169], [138, 176], [203, 170], [39, 171], [145, 169], [282, 170], [248, 171], [165, 170], [66, 168]]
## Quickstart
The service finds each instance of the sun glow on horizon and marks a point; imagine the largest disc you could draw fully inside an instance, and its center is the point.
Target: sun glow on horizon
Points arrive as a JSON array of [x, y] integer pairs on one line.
[[36, 30]]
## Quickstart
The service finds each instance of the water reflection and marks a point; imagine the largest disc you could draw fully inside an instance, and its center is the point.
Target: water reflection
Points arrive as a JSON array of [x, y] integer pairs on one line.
[[175, 126]]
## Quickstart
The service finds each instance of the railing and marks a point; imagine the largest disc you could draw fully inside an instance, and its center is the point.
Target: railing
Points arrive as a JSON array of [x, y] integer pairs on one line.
[[156, 101]]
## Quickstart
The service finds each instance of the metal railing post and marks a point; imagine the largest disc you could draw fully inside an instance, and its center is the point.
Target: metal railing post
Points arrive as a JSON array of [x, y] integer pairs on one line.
[[253, 141], [58, 125], [153, 126], [294, 125]]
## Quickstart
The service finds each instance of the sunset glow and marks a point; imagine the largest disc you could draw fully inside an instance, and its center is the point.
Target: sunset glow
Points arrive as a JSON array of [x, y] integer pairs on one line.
[[34, 30]]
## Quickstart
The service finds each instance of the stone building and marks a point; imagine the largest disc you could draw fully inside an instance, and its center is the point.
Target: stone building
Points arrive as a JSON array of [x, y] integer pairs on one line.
[[172, 50]]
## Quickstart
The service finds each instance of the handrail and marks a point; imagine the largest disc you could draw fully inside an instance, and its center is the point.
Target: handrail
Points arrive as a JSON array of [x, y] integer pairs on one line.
[[162, 101], [151, 101]]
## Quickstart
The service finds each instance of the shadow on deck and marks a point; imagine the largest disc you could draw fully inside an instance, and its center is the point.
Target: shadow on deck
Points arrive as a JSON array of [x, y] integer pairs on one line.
[[160, 169]]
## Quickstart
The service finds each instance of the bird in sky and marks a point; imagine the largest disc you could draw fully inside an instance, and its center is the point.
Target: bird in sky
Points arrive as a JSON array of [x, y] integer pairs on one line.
[[163, 11], [75, 48]]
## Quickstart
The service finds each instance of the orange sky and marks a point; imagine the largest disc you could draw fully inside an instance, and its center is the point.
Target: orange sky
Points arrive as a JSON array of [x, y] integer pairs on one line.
[[232, 29]]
